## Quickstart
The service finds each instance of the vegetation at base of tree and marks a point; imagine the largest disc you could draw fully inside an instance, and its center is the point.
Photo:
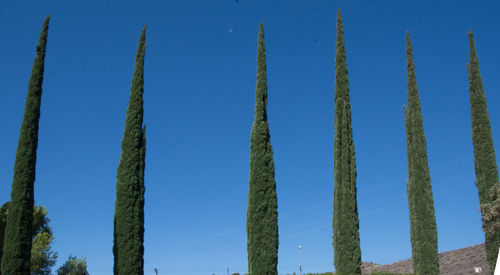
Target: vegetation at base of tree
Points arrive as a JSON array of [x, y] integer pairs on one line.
[[42, 257], [346, 242], [485, 163], [262, 210], [128, 235], [491, 212], [423, 232], [18, 235], [73, 266]]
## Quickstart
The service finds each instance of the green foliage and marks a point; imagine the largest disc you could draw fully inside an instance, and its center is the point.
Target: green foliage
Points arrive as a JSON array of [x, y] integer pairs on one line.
[[18, 232], [485, 163], [346, 242], [41, 221], [42, 258], [262, 211], [421, 203], [410, 193], [73, 266], [3, 222], [491, 212], [128, 235]]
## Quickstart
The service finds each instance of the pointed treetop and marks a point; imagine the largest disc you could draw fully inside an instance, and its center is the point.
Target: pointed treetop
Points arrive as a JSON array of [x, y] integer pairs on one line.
[[42, 42], [261, 43], [409, 53], [473, 54], [46, 21], [261, 55], [341, 73], [261, 51], [471, 37], [412, 80], [261, 89], [142, 44], [340, 29], [45, 26], [474, 75]]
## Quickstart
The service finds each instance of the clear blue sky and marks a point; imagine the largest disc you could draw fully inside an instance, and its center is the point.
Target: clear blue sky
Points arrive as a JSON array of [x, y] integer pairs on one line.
[[200, 74]]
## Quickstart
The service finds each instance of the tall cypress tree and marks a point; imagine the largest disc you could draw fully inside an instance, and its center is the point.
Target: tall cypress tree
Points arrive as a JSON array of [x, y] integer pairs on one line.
[[346, 242], [420, 200], [484, 153], [18, 231], [262, 211], [128, 245], [408, 185]]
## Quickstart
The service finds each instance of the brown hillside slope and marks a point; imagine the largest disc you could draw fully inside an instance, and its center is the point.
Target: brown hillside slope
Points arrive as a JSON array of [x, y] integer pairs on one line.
[[456, 262]]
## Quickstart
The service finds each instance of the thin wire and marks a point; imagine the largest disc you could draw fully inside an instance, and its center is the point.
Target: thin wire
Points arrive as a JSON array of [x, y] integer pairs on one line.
[[291, 213], [289, 236], [203, 256]]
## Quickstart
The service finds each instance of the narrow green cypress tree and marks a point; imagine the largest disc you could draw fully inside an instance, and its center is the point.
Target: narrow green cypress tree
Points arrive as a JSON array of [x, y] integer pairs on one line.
[[484, 153], [420, 200], [408, 185], [346, 242], [262, 211], [128, 245], [338, 218], [18, 231]]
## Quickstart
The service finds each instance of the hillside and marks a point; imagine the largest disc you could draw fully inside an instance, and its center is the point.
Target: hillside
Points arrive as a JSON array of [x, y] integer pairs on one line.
[[457, 262]]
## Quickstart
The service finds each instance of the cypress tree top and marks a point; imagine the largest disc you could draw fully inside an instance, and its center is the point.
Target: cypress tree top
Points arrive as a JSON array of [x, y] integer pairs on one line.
[[414, 109], [420, 199], [485, 163], [262, 211], [346, 242], [17, 246], [341, 74], [128, 246]]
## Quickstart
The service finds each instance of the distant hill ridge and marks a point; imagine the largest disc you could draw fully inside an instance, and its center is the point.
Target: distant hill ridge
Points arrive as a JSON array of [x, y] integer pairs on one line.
[[456, 262]]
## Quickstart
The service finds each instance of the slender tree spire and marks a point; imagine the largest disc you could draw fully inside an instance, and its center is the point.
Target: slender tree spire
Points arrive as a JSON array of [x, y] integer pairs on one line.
[[128, 245], [408, 185], [262, 211], [484, 153], [346, 242], [18, 231], [420, 200]]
